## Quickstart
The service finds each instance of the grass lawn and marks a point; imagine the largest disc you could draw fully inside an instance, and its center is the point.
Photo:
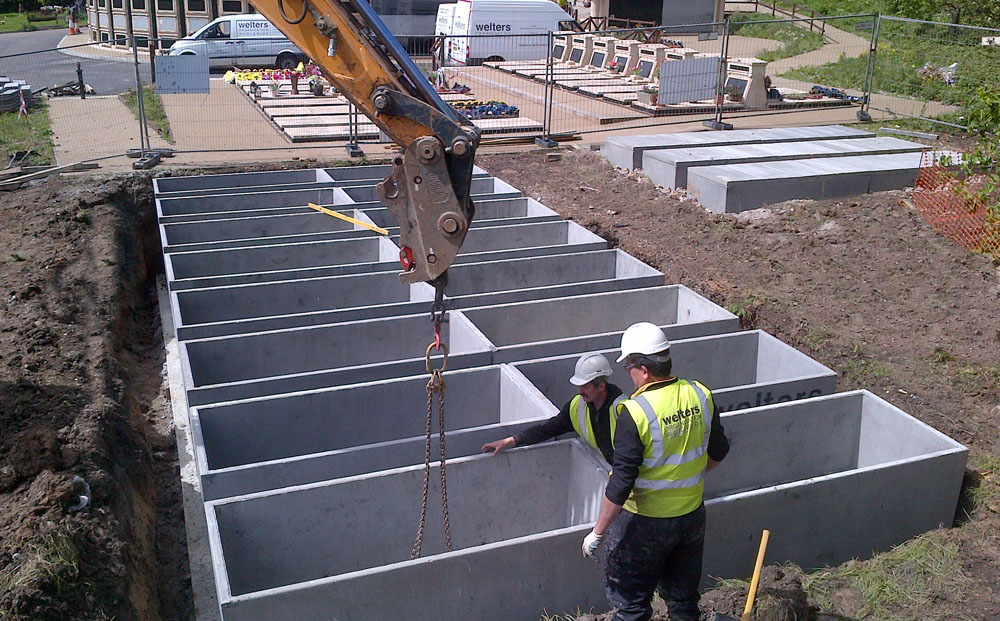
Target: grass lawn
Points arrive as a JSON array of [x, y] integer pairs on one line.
[[795, 40], [30, 132], [153, 107], [18, 22]]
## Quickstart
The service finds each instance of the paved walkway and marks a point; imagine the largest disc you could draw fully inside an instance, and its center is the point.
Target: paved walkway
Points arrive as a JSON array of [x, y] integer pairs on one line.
[[94, 127]]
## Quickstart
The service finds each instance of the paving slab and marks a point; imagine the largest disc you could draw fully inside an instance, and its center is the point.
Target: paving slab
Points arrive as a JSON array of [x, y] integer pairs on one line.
[[669, 167], [739, 187], [627, 151]]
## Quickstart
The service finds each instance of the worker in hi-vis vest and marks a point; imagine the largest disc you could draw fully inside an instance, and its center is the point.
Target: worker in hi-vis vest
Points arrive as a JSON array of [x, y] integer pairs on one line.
[[590, 413], [667, 436]]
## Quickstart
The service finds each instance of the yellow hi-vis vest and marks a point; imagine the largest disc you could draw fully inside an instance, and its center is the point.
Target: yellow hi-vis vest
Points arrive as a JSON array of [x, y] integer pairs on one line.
[[674, 422], [579, 414]]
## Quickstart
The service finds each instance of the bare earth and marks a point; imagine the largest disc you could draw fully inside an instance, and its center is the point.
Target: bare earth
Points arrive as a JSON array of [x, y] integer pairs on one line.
[[862, 285]]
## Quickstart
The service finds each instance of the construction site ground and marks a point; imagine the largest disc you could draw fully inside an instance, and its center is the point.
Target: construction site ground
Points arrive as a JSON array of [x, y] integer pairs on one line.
[[862, 285]]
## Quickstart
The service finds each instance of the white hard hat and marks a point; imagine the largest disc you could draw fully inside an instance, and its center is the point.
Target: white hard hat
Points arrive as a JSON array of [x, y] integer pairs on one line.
[[589, 367], [643, 338]]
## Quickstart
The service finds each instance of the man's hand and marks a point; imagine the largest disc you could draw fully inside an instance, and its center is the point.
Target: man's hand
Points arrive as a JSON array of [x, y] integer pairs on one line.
[[498, 446], [591, 542]]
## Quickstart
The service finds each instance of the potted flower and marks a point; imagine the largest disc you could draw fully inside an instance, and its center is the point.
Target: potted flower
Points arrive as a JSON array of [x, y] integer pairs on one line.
[[315, 76], [653, 91], [733, 92]]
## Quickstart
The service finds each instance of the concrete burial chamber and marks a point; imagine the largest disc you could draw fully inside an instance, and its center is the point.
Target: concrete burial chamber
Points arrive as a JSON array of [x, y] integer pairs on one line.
[[268, 363], [249, 201], [366, 193], [255, 231], [575, 324], [293, 439], [341, 549], [253, 264], [293, 303], [514, 210], [742, 369], [194, 184], [834, 478]]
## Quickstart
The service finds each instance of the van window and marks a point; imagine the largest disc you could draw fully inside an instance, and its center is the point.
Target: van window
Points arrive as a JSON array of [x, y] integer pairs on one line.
[[218, 31]]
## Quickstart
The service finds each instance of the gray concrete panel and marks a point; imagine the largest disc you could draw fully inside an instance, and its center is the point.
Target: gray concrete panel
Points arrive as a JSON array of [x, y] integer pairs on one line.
[[271, 540], [274, 442], [514, 210], [247, 201], [480, 185], [593, 322], [627, 151], [197, 183], [669, 167], [871, 478], [739, 187], [241, 309], [278, 258], [270, 363], [742, 369]]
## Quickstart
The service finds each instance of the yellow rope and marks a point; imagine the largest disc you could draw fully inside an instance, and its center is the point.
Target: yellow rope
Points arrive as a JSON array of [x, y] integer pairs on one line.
[[330, 212]]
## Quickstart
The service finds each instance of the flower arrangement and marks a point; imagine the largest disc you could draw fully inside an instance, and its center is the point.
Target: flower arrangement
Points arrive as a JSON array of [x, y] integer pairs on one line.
[[653, 91]]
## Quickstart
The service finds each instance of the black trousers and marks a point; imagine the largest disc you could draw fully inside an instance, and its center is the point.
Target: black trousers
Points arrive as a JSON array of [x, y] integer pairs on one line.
[[647, 553]]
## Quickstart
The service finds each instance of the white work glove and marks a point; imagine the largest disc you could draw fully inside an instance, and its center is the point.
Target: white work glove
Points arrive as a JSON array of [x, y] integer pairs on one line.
[[591, 542]]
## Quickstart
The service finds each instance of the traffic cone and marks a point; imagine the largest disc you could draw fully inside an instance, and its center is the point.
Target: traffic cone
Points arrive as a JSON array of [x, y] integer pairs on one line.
[[72, 24]]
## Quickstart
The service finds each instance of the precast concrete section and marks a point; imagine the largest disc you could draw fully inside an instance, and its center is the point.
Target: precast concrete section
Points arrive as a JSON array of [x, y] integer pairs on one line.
[[269, 363], [516, 523], [742, 369], [576, 324], [669, 167], [627, 151], [293, 439], [840, 476], [256, 264], [239, 309], [304, 363], [835, 477]]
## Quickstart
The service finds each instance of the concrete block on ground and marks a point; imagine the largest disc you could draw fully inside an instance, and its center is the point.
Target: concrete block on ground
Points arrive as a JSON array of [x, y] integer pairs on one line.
[[269, 363], [627, 151], [203, 313], [739, 187], [340, 549], [275, 442], [742, 369], [835, 477], [231, 266], [576, 324], [669, 167]]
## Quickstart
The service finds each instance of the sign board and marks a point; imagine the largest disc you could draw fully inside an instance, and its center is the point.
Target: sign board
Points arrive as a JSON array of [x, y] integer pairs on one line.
[[181, 74], [691, 79], [254, 29]]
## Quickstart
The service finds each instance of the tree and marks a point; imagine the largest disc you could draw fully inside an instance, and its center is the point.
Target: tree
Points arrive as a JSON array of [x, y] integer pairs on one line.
[[972, 12]]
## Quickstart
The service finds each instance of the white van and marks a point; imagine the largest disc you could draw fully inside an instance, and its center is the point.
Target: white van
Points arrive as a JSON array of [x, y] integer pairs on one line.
[[503, 17], [443, 25], [241, 41]]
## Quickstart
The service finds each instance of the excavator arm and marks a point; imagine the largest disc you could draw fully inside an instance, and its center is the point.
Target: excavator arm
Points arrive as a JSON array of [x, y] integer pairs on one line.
[[428, 190]]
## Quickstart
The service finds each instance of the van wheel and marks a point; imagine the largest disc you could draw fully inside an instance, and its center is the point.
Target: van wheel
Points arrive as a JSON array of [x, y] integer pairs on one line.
[[286, 61], [494, 59]]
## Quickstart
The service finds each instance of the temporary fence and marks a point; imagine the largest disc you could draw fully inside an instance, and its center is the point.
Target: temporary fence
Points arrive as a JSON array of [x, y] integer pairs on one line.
[[955, 206], [520, 87]]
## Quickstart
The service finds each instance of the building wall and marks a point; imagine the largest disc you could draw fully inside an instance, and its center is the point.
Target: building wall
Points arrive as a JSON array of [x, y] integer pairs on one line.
[[115, 21]]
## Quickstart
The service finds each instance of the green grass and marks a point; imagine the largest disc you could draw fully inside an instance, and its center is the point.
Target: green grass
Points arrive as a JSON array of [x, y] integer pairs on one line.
[[29, 132], [18, 22], [53, 559], [899, 584], [795, 40], [898, 62], [153, 107]]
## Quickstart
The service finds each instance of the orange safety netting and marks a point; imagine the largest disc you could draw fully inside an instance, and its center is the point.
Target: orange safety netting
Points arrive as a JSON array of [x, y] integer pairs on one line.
[[951, 206]]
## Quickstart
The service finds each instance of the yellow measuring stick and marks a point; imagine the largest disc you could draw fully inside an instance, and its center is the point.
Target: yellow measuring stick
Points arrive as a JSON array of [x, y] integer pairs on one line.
[[330, 212]]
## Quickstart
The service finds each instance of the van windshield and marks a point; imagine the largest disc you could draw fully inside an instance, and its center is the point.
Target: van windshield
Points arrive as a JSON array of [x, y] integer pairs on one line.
[[219, 30]]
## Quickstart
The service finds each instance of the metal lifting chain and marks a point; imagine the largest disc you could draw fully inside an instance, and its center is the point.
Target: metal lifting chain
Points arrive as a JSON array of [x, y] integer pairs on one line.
[[435, 385]]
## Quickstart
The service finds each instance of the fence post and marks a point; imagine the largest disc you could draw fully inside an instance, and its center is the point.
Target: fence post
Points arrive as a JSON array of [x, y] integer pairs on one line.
[[79, 82], [863, 114], [546, 138], [720, 83]]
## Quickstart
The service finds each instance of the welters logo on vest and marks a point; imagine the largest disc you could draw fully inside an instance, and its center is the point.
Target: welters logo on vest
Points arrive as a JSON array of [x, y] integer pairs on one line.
[[492, 27]]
